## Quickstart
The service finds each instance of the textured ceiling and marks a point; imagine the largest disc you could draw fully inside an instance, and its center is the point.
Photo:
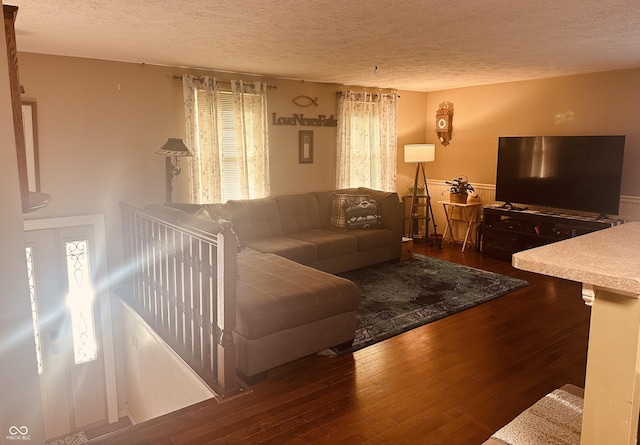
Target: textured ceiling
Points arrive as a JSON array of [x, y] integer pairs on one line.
[[418, 45]]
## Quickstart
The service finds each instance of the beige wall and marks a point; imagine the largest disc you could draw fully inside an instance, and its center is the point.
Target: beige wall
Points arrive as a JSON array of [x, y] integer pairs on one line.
[[412, 129], [592, 104], [287, 175], [151, 364], [20, 404]]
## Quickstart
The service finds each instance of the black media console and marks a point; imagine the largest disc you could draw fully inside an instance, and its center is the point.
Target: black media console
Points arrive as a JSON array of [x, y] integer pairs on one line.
[[506, 231]]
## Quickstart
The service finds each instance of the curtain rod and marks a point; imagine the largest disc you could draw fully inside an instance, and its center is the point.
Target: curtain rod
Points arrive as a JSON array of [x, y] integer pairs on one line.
[[271, 87], [340, 93]]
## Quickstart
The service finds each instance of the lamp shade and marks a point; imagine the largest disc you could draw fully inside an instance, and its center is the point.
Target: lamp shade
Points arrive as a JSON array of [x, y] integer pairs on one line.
[[419, 153], [174, 147]]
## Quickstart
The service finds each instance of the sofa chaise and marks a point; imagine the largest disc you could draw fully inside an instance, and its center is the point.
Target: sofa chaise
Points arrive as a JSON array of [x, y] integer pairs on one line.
[[289, 303]]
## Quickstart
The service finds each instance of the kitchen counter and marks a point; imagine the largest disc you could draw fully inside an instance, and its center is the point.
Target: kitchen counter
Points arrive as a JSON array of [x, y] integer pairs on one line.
[[607, 263]]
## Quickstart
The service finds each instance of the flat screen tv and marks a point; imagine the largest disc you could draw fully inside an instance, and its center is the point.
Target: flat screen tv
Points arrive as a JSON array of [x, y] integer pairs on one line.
[[581, 173]]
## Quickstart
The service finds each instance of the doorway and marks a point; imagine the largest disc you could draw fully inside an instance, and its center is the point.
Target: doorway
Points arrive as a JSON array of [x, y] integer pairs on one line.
[[68, 287]]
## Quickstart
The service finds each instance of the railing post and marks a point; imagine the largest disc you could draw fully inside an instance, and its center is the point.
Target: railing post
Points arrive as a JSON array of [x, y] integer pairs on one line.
[[226, 308], [184, 286]]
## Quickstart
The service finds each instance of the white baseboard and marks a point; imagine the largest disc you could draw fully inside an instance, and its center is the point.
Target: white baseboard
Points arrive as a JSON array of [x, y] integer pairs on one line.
[[125, 413]]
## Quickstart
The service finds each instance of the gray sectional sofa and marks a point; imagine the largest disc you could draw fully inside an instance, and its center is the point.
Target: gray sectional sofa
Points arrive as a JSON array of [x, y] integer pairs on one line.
[[289, 303]]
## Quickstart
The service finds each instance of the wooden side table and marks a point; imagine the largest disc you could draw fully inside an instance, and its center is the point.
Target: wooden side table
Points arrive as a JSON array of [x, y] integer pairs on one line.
[[469, 212]]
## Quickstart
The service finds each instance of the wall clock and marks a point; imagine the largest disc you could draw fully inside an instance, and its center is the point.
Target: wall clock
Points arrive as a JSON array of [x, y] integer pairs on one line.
[[443, 122]]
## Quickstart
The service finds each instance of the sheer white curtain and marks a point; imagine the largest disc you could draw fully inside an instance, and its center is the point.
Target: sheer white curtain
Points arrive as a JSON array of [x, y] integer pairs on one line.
[[227, 133], [367, 140], [250, 122], [201, 117]]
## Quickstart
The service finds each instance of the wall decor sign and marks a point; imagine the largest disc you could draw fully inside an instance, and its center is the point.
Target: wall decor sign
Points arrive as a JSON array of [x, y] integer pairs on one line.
[[305, 101], [299, 119], [305, 147]]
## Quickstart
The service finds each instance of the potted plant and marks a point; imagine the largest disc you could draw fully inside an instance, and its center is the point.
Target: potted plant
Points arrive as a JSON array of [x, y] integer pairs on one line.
[[459, 189]]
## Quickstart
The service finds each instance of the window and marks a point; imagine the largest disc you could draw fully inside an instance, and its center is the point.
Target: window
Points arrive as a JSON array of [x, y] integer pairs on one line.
[[367, 140], [230, 175], [227, 132], [80, 301], [34, 307]]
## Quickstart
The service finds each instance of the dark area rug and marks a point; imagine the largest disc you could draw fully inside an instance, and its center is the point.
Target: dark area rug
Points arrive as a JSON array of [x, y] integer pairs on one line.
[[400, 296]]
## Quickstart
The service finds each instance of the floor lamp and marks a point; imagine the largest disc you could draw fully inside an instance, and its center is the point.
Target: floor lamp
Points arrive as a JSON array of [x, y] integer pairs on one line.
[[419, 154], [173, 149]]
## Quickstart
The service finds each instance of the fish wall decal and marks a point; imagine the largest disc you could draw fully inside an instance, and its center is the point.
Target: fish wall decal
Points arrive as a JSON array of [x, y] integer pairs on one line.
[[305, 101]]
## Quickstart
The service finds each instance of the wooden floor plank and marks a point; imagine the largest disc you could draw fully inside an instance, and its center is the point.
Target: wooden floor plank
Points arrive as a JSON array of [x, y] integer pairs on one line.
[[453, 381]]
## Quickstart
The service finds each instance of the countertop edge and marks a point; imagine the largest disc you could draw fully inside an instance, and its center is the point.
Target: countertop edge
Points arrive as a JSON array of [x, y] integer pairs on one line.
[[577, 259]]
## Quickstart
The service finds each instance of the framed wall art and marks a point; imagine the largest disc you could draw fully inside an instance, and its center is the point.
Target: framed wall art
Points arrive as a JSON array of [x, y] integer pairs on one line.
[[305, 146], [30, 126]]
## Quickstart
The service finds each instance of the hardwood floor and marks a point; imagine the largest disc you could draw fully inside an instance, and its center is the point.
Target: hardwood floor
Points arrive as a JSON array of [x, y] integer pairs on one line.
[[454, 381], [102, 430]]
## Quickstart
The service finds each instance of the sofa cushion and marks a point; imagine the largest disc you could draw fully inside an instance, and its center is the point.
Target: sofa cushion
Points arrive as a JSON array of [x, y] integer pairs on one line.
[[329, 243], [185, 207], [302, 252], [338, 218], [298, 213], [217, 211], [255, 218], [372, 239], [168, 214], [274, 294], [205, 224], [211, 211]]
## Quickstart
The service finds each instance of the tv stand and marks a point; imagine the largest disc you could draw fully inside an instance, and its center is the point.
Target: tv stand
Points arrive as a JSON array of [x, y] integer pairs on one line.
[[507, 231], [509, 206]]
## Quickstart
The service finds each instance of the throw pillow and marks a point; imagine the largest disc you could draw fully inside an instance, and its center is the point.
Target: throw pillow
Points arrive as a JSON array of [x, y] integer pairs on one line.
[[337, 211], [362, 215]]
